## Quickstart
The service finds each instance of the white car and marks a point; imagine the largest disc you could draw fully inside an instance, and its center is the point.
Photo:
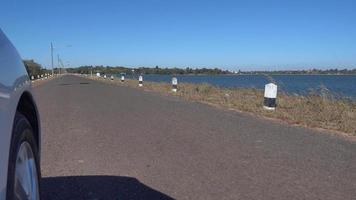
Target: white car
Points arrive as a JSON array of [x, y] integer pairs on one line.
[[20, 135]]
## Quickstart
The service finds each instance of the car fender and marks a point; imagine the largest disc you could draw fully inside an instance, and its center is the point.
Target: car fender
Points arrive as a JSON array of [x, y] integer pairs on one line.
[[14, 82]]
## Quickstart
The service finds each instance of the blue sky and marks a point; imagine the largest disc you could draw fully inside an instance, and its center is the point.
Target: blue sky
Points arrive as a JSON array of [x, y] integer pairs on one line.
[[246, 35]]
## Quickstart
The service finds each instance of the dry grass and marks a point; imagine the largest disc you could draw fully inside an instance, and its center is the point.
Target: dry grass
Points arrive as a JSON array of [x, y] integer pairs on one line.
[[317, 111]]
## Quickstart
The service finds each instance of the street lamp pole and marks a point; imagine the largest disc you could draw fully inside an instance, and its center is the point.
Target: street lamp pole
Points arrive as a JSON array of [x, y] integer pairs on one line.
[[59, 61]]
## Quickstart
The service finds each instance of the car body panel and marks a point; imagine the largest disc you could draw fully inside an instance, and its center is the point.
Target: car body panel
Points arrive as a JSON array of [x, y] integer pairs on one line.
[[14, 81]]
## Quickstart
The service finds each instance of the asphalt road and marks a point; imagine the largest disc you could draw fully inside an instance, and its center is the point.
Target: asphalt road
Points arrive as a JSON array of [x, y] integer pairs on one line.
[[102, 141]]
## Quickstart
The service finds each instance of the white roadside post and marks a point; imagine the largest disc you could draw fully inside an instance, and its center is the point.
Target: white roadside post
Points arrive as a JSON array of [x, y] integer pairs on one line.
[[105, 76], [98, 74], [32, 78], [270, 96], [140, 81], [38, 76], [112, 77], [122, 78], [174, 84]]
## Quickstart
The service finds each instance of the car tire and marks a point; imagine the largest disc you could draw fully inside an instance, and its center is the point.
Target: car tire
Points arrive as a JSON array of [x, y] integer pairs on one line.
[[23, 162]]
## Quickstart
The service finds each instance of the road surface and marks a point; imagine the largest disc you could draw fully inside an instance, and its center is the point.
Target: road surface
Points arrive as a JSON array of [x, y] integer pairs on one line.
[[113, 142]]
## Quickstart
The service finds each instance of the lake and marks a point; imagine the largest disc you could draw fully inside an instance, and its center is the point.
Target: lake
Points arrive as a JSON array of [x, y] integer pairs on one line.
[[339, 85]]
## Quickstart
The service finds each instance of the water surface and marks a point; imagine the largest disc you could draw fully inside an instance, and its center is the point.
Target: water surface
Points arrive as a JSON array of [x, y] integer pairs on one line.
[[339, 85]]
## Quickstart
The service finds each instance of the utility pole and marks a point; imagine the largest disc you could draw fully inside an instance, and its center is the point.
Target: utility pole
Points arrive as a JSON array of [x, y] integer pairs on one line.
[[59, 67], [52, 59]]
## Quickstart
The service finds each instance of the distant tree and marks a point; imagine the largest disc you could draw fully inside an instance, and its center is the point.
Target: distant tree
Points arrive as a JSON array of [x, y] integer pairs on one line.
[[33, 68]]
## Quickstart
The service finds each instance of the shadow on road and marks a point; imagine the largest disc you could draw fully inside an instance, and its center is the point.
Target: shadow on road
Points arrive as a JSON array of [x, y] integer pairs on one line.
[[97, 187]]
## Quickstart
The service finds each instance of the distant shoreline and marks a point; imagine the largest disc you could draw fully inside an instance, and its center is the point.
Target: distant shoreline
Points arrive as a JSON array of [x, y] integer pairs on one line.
[[254, 74], [301, 74]]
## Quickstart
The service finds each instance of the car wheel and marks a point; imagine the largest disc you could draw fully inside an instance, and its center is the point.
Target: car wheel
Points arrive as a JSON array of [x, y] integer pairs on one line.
[[24, 170]]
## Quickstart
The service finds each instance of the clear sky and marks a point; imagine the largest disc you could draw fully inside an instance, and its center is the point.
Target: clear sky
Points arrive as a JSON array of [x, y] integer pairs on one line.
[[240, 34]]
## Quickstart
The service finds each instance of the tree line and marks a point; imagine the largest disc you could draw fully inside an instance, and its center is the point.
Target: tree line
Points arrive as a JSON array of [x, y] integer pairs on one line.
[[304, 72], [144, 70], [34, 69]]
